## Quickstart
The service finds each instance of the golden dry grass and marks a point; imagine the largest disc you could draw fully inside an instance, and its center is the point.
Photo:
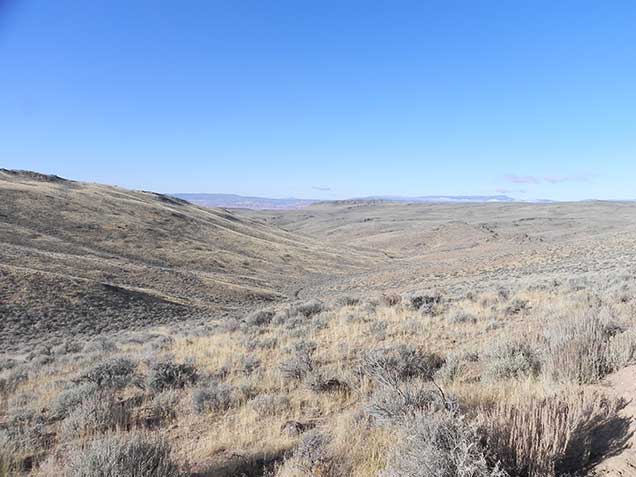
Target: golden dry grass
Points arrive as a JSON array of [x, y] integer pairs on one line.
[[507, 287]]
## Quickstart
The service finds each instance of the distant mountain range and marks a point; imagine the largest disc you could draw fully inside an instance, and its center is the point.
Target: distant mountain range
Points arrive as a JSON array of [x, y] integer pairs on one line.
[[443, 198], [233, 201], [249, 202]]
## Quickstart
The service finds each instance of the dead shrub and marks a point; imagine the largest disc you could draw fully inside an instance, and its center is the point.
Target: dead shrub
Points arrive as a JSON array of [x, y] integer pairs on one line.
[[553, 435], [397, 401], [402, 361]]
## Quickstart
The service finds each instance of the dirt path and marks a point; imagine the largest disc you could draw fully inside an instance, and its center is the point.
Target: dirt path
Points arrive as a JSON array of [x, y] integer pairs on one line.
[[623, 464]]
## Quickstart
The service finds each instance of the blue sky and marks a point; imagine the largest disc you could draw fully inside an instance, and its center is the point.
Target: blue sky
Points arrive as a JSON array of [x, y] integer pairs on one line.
[[324, 99]]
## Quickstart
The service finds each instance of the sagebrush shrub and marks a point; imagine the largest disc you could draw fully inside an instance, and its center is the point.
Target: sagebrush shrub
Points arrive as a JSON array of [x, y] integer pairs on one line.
[[269, 404], [403, 361], [426, 302], [169, 375], [401, 401], [578, 349], [115, 373], [259, 318], [297, 366], [68, 400], [122, 455], [309, 308], [514, 359], [311, 457], [439, 444], [95, 415], [212, 398]]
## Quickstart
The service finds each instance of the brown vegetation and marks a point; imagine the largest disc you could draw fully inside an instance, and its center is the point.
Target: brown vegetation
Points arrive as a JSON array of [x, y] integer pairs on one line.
[[481, 355]]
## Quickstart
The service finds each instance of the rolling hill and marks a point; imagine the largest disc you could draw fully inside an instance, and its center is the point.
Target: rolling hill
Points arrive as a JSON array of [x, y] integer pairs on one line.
[[92, 258]]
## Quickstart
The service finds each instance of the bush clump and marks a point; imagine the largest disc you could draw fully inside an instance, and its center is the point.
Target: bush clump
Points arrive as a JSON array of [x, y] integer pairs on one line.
[[310, 308], [95, 415], [555, 435], [580, 350], [269, 404], [401, 401], [424, 302], [311, 457], [259, 318], [440, 444], [118, 455], [69, 399], [403, 362], [298, 366], [213, 398], [511, 360], [168, 375], [115, 373]]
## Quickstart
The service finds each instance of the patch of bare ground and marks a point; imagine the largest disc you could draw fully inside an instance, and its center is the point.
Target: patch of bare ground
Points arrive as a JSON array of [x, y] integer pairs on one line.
[[621, 461]]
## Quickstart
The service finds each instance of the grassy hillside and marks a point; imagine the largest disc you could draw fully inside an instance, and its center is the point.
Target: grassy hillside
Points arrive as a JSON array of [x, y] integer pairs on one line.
[[92, 258]]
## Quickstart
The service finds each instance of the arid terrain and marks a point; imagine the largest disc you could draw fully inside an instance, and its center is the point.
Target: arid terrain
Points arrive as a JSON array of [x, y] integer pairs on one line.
[[353, 338]]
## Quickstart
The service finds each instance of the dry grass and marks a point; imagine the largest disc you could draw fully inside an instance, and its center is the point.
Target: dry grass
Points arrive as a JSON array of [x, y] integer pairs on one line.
[[552, 435], [484, 326], [239, 405]]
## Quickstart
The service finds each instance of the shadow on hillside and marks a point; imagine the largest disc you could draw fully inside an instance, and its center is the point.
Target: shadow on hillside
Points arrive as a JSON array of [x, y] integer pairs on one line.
[[256, 465], [605, 437]]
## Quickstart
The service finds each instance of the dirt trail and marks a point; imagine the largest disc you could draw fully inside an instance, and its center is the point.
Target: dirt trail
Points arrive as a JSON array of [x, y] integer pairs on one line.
[[623, 464]]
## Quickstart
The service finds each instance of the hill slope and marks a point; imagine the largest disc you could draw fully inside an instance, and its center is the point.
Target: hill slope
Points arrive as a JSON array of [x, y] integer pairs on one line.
[[88, 258]]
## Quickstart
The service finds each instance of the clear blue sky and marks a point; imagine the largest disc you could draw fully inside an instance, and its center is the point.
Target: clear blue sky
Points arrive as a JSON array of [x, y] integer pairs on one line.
[[324, 99]]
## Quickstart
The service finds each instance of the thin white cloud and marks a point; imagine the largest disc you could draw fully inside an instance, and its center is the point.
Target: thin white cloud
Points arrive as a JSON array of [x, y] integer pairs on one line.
[[515, 179], [550, 179]]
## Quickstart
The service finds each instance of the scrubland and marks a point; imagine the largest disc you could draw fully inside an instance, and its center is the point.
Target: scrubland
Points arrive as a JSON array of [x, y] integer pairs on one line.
[[141, 335], [495, 383]]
